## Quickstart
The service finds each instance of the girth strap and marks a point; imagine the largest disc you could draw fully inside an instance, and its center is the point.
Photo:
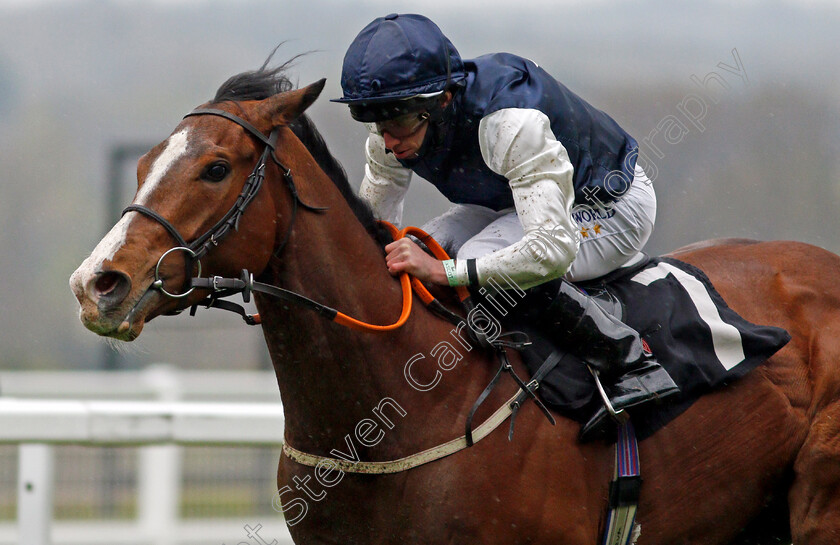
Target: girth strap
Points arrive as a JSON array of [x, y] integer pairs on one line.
[[624, 489]]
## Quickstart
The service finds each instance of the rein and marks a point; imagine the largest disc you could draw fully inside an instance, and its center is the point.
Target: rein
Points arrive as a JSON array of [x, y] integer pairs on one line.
[[223, 287], [245, 284]]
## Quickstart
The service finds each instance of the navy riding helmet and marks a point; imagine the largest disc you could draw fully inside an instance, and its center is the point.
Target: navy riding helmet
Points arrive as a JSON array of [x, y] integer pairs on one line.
[[398, 64]]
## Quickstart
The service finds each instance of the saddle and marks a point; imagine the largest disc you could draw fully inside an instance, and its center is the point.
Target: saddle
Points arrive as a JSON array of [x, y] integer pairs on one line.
[[692, 332]]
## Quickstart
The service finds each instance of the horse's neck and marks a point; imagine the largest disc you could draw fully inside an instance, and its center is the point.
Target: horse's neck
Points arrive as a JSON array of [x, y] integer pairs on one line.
[[330, 377], [342, 268]]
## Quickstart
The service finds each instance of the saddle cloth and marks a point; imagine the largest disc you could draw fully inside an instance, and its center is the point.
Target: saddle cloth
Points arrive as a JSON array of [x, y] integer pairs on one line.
[[688, 326]]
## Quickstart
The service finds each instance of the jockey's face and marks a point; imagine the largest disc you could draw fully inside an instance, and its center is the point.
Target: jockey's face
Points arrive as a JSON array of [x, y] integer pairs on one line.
[[404, 135], [405, 141]]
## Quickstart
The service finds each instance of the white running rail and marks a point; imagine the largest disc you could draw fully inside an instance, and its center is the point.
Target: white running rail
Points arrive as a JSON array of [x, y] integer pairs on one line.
[[36, 425]]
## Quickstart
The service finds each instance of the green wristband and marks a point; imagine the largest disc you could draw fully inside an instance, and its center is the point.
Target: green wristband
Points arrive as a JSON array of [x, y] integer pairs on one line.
[[449, 269]]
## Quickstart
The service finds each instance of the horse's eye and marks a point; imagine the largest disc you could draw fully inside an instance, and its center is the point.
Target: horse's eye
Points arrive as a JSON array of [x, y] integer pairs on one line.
[[216, 172]]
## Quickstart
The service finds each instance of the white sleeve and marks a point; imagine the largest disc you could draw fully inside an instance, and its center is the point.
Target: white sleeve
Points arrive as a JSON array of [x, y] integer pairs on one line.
[[519, 145], [385, 182]]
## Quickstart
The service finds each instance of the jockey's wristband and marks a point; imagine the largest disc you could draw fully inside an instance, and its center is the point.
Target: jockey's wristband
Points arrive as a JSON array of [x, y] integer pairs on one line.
[[456, 272], [449, 269]]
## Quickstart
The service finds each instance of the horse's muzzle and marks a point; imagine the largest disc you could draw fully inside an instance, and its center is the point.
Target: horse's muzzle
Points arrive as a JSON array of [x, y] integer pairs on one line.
[[102, 301]]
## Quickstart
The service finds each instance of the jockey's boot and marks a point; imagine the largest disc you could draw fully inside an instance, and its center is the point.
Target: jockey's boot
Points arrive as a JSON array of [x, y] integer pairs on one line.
[[612, 349]]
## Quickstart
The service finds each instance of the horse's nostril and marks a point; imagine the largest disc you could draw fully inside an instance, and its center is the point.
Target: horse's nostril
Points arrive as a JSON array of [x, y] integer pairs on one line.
[[105, 283], [112, 285]]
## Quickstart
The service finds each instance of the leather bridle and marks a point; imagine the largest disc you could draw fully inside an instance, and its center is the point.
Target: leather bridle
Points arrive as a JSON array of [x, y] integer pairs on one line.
[[199, 247], [223, 287]]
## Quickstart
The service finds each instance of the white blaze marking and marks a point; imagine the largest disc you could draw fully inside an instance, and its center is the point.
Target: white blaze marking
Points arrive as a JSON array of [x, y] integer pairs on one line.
[[175, 148], [104, 251], [107, 248]]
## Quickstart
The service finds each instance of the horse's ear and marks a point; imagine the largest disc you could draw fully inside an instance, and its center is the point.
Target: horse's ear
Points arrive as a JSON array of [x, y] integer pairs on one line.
[[284, 108]]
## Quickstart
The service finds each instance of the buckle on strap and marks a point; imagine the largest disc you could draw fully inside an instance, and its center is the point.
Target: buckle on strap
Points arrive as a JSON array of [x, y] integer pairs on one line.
[[625, 490]]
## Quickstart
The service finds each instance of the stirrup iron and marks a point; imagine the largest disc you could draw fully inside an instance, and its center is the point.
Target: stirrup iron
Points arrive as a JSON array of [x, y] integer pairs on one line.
[[620, 416]]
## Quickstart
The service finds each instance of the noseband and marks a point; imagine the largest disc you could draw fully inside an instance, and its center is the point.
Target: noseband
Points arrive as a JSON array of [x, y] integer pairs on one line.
[[199, 247]]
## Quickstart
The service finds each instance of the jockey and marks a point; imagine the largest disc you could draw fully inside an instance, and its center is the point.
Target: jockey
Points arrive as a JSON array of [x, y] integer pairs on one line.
[[546, 188]]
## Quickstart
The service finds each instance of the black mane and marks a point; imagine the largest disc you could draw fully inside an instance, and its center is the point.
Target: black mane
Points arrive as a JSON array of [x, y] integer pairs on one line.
[[256, 84], [265, 82]]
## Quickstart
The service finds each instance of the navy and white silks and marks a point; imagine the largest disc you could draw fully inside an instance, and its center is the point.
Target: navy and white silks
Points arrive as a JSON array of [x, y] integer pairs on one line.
[[543, 184]]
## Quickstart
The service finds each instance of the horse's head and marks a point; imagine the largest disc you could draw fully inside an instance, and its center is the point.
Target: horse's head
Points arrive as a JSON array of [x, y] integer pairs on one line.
[[192, 189]]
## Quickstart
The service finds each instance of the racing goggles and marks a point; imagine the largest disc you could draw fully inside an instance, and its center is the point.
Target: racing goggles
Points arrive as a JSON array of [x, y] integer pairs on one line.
[[371, 111], [401, 126]]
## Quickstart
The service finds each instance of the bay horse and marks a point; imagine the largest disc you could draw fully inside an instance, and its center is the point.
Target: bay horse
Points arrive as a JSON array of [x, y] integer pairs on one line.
[[759, 458]]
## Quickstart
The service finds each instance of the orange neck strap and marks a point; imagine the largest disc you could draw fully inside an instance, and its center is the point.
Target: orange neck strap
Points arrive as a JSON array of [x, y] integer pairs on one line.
[[407, 283]]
